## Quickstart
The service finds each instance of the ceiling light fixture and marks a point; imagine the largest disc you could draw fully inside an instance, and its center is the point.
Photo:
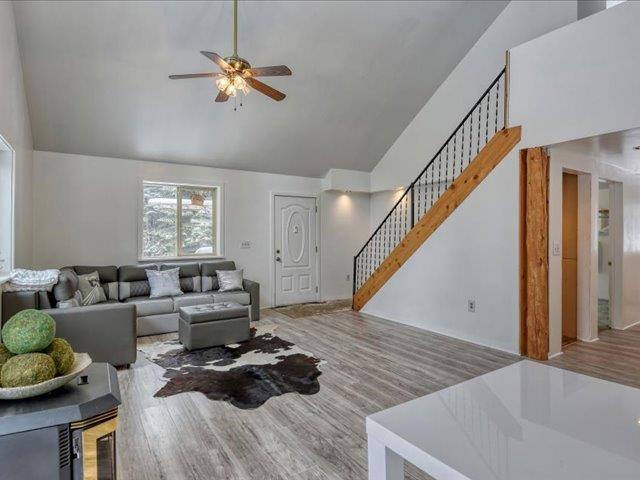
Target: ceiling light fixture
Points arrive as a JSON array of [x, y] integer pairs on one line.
[[237, 75]]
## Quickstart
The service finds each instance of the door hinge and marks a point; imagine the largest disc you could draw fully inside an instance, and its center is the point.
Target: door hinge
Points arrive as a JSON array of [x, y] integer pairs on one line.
[[316, 208], [316, 248]]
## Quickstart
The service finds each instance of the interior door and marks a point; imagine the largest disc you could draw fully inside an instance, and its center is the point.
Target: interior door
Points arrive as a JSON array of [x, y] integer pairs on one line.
[[295, 253]]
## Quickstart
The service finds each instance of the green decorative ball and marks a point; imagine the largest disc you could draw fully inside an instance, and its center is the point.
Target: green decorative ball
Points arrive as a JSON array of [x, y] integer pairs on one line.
[[28, 331], [5, 354], [62, 354], [27, 369]]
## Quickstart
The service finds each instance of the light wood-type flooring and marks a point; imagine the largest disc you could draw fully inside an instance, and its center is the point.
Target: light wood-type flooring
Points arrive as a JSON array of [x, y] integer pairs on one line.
[[372, 364]]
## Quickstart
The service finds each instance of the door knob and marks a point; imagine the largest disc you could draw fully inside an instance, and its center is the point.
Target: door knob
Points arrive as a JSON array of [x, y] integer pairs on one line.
[[278, 259]]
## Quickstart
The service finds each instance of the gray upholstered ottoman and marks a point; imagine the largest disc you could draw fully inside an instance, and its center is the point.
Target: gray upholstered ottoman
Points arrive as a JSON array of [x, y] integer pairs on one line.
[[223, 323]]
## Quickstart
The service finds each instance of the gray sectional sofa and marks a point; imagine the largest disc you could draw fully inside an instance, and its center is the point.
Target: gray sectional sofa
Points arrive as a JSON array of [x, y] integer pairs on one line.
[[108, 330], [199, 283]]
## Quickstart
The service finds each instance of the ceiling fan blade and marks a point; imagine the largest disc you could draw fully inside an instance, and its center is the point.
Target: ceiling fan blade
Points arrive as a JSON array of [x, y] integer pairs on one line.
[[266, 89], [193, 75], [273, 71], [222, 97], [214, 57]]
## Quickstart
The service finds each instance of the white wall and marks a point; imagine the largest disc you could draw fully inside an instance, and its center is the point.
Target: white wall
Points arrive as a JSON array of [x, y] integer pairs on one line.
[[519, 22], [15, 128], [578, 81], [474, 255], [345, 227], [86, 212]]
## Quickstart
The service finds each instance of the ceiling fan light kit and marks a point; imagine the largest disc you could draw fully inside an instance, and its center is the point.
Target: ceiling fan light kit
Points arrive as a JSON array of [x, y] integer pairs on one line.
[[237, 75]]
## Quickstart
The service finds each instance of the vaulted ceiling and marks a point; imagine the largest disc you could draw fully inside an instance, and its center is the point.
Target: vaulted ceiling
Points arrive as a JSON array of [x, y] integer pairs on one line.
[[96, 78]]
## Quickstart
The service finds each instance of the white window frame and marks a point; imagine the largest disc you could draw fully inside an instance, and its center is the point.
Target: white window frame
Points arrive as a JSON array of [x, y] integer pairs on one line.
[[219, 192], [10, 257]]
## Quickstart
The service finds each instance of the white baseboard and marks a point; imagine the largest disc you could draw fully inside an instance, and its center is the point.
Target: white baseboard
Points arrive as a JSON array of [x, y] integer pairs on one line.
[[555, 355], [589, 341], [632, 325]]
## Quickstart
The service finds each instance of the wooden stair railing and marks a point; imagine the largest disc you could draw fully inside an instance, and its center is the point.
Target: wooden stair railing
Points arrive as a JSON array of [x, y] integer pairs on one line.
[[475, 147], [488, 158]]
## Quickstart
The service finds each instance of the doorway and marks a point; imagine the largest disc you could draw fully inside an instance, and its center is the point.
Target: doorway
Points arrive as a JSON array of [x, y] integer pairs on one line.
[[604, 256], [295, 249], [610, 232], [569, 258]]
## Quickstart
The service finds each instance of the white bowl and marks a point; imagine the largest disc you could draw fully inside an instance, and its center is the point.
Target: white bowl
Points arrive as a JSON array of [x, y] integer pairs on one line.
[[81, 362]]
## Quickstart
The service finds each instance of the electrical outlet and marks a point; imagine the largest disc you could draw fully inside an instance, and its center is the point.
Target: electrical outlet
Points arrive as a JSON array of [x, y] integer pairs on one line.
[[555, 248], [348, 277], [245, 244], [471, 305]]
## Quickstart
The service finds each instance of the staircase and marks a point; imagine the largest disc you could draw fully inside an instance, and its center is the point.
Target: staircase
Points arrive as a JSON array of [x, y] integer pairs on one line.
[[471, 152]]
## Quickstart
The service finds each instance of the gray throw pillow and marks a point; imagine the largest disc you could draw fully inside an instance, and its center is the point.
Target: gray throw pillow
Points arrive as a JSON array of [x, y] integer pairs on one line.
[[90, 289], [229, 280], [67, 285], [164, 283]]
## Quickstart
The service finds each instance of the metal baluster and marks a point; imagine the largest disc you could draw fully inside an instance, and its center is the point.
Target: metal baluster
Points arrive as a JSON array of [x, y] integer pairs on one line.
[[375, 252], [395, 226], [470, 138], [495, 130], [479, 126], [423, 194], [462, 148], [386, 239], [486, 128], [431, 188], [446, 170], [453, 162]]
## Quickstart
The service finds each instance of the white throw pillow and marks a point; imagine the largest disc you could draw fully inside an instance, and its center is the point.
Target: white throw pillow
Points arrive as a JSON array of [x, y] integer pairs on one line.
[[164, 283], [229, 280]]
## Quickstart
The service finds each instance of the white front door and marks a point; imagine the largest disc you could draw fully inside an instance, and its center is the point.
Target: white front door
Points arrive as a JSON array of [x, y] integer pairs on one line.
[[295, 254]]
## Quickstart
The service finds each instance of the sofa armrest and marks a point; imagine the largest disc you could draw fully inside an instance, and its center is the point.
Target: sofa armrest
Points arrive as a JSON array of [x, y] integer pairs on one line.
[[13, 302], [106, 331], [254, 293]]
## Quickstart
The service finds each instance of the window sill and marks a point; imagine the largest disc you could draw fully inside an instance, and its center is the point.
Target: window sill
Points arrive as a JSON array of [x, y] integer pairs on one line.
[[183, 258]]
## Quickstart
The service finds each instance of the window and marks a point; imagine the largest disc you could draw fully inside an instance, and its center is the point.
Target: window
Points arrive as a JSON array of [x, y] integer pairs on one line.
[[6, 207], [179, 221]]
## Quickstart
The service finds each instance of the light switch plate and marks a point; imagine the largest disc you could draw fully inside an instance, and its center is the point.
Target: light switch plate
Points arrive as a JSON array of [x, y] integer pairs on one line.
[[245, 244], [555, 249]]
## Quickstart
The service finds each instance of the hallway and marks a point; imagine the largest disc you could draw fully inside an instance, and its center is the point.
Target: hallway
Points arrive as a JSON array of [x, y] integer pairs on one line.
[[615, 357]]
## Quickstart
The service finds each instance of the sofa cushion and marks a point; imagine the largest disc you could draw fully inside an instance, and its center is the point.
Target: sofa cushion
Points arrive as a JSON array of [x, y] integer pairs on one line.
[[243, 298], [67, 285], [190, 299], [164, 283], [146, 306], [91, 289], [189, 275], [108, 277], [210, 277], [133, 281]]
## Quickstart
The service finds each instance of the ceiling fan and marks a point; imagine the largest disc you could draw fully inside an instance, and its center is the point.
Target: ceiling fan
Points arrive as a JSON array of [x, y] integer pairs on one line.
[[237, 74]]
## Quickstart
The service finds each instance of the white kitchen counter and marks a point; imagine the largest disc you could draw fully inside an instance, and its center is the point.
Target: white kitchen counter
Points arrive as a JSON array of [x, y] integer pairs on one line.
[[524, 421]]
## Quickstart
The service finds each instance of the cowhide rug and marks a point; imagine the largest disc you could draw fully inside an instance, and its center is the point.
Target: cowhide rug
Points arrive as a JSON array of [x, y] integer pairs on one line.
[[245, 374]]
